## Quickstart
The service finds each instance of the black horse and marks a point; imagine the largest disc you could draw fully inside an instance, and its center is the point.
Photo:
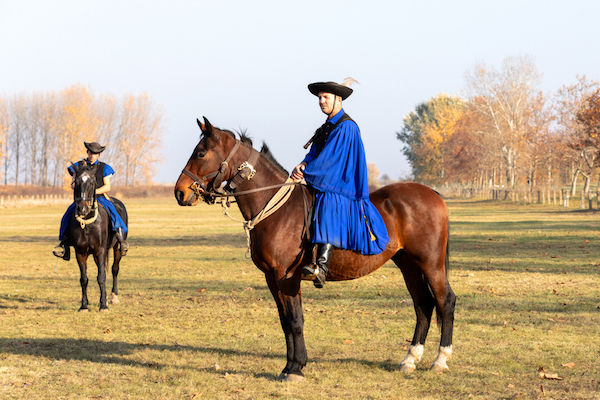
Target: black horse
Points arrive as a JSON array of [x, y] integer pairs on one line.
[[90, 233]]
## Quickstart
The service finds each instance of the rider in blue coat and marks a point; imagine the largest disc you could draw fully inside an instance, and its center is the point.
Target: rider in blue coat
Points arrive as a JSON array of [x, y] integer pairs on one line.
[[103, 174], [336, 168]]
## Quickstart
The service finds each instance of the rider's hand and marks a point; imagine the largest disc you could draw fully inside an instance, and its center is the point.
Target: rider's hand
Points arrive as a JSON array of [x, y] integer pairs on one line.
[[297, 173]]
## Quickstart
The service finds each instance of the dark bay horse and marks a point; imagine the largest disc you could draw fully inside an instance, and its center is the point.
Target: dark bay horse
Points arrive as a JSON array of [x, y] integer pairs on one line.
[[416, 218], [90, 233]]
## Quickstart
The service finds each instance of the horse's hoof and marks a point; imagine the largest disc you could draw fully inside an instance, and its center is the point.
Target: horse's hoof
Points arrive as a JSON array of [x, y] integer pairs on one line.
[[84, 310], [438, 367], [407, 368], [114, 299], [290, 377], [104, 310]]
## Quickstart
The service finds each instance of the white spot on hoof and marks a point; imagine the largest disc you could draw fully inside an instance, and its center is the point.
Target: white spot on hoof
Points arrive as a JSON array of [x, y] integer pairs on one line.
[[439, 365], [83, 310], [104, 310], [114, 299], [414, 355]]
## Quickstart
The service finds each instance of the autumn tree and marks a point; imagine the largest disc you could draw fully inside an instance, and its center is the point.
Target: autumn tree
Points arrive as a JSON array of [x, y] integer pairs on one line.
[[589, 118], [426, 132], [4, 128], [372, 175], [575, 150], [41, 133], [469, 155], [139, 135]]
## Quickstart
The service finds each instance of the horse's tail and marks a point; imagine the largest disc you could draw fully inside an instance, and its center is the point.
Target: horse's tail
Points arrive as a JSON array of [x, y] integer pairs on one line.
[[446, 268]]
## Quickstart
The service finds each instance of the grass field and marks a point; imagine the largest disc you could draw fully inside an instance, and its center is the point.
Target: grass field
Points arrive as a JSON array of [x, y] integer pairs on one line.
[[196, 319]]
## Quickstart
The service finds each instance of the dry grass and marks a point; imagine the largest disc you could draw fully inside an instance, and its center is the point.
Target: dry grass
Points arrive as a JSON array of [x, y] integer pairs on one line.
[[196, 319]]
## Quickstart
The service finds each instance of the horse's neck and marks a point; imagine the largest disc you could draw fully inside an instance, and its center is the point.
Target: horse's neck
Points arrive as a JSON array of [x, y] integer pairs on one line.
[[266, 175]]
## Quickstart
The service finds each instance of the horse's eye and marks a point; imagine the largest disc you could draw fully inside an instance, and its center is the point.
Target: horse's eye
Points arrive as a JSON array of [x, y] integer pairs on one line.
[[201, 153]]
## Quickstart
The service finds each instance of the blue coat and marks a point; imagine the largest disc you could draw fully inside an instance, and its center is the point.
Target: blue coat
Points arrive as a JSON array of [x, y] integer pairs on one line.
[[344, 215]]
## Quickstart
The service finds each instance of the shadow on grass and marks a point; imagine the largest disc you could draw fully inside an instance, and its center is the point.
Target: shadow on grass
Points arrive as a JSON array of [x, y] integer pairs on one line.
[[118, 353]]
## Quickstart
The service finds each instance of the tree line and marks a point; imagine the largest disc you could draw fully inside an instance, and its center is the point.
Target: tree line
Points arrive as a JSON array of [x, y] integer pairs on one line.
[[42, 133], [505, 132]]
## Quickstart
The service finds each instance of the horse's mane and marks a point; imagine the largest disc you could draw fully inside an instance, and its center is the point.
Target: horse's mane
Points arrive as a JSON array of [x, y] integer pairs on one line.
[[264, 151], [269, 156]]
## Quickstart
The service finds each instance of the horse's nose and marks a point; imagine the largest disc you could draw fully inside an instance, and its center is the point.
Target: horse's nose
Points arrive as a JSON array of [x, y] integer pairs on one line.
[[179, 195]]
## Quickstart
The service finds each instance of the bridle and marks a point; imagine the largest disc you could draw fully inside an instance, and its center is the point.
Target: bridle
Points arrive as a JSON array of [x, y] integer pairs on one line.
[[92, 203], [245, 171]]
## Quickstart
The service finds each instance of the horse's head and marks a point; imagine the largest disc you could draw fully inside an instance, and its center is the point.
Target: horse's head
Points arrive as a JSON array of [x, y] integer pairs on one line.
[[207, 167], [84, 191]]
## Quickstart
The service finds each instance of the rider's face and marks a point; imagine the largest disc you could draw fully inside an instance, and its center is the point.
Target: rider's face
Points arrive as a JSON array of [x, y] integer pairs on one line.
[[326, 102], [92, 157]]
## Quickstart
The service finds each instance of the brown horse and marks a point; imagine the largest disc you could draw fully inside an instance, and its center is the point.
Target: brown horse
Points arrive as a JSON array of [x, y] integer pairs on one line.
[[416, 218]]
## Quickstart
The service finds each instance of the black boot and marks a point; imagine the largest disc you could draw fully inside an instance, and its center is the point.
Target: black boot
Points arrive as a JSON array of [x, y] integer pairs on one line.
[[318, 272], [63, 250], [122, 242]]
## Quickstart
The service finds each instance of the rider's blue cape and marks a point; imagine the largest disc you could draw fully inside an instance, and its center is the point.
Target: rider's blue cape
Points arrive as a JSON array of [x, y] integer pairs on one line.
[[344, 215]]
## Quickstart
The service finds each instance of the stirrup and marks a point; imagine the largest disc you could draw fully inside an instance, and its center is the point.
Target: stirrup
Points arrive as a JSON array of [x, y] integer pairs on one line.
[[59, 251], [310, 272]]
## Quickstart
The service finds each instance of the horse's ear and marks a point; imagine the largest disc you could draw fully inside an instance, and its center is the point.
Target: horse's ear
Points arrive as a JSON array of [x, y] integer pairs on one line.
[[200, 124], [207, 127]]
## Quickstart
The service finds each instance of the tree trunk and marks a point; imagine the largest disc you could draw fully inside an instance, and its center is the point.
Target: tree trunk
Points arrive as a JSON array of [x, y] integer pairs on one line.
[[574, 182]]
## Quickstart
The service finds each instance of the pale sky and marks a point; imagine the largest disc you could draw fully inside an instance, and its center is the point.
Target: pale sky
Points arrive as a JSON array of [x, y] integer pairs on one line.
[[246, 64]]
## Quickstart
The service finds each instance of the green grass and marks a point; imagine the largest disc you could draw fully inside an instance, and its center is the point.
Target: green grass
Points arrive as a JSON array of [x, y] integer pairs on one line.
[[196, 319]]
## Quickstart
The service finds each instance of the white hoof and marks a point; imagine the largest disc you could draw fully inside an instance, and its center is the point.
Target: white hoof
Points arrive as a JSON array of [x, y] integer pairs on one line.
[[439, 365], [114, 299], [414, 355], [407, 368]]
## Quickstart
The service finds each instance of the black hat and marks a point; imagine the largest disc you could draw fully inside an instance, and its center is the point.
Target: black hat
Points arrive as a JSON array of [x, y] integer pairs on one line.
[[330, 87], [94, 147]]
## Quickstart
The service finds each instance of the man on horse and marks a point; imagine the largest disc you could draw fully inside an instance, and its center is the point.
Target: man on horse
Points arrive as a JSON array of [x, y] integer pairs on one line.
[[336, 168], [103, 174]]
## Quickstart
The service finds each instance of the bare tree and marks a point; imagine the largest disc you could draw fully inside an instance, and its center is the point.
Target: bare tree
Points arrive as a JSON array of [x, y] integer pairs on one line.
[[506, 97]]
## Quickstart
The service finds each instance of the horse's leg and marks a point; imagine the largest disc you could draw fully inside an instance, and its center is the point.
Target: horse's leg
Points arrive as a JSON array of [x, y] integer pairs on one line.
[[83, 280], [292, 323], [115, 271], [445, 304], [100, 258], [423, 303]]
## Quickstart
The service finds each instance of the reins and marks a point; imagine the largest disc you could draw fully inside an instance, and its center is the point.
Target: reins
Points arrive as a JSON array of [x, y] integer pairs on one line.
[[274, 204], [246, 171], [83, 222]]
